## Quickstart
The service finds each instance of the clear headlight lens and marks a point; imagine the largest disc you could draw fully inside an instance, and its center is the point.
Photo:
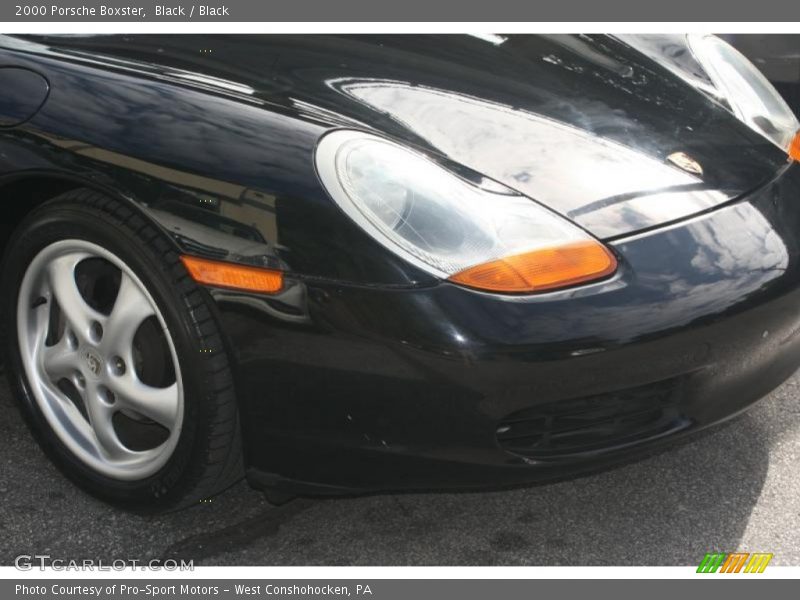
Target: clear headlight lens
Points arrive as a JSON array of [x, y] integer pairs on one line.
[[488, 238], [751, 96]]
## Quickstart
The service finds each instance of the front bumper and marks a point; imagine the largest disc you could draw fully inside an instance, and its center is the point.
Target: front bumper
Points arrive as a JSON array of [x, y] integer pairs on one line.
[[360, 389]]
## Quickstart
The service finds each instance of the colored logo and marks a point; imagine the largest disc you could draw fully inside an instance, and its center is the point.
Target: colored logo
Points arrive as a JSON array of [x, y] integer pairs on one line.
[[735, 562], [685, 162]]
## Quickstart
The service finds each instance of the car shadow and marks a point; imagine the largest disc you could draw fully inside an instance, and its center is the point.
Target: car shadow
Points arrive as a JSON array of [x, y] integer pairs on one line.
[[671, 508]]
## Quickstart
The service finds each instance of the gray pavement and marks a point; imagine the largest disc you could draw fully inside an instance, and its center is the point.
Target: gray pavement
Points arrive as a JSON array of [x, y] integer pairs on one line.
[[737, 488]]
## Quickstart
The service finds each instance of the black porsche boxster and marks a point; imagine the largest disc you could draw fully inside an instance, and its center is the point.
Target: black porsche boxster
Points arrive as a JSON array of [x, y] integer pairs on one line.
[[355, 264]]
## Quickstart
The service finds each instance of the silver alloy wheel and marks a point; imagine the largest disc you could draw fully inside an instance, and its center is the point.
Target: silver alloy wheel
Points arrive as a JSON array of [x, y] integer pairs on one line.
[[84, 364]]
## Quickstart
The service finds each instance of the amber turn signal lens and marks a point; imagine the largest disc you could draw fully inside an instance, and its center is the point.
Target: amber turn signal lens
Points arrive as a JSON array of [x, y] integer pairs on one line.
[[794, 147], [544, 269], [229, 275]]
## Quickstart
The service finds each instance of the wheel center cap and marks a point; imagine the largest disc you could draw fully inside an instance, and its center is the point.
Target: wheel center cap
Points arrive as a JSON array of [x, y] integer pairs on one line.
[[94, 363]]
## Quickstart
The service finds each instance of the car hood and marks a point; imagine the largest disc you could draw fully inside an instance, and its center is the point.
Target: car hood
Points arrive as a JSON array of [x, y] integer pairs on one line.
[[585, 125]]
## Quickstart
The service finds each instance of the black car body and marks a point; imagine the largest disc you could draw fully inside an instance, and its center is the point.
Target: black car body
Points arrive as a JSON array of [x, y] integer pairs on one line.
[[366, 373]]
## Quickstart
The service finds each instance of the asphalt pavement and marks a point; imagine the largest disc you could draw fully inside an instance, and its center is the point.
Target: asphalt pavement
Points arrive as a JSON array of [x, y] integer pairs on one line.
[[736, 488]]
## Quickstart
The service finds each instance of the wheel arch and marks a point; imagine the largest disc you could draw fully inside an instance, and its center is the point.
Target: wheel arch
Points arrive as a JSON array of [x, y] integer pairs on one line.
[[22, 192]]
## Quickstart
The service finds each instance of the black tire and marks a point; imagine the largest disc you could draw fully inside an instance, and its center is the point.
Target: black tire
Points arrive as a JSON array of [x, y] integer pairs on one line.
[[207, 457]]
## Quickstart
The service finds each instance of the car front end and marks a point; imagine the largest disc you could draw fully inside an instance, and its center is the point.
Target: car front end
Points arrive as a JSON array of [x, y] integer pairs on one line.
[[420, 263]]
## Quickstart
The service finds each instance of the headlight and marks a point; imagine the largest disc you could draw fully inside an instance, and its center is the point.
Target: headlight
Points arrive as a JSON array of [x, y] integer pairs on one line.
[[751, 97], [489, 238]]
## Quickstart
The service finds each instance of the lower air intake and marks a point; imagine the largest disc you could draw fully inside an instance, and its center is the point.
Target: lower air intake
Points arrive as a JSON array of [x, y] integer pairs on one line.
[[594, 424]]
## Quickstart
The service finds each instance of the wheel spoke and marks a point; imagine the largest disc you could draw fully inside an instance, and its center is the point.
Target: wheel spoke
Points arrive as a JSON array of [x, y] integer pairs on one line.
[[158, 404], [60, 361], [78, 314], [100, 418], [131, 308]]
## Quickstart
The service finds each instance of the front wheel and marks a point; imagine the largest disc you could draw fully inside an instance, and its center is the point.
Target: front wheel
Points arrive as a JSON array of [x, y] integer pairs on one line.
[[116, 357]]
